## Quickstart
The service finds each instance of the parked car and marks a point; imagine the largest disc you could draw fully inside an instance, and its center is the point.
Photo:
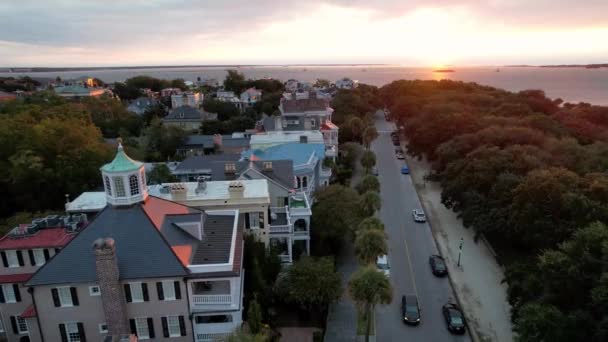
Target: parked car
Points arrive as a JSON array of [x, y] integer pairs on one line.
[[438, 266], [454, 318], [405, 170], [382, 265], [400, 156], [410, 310], [418, 215], [375, 171]]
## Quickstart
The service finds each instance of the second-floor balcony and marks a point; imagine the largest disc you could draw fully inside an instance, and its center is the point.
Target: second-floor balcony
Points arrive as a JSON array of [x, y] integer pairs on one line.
[[325, 172], [280, 220], [215, 294], [299, 205]]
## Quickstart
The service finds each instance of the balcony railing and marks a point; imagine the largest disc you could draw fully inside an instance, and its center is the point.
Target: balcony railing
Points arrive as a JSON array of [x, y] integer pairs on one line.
[[223, 299], [300, 232], [282, 221], [212, 337], [285, 258], [325, 172]]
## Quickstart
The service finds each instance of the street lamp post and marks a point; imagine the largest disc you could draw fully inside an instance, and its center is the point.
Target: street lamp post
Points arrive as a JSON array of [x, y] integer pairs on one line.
[[460, 250]]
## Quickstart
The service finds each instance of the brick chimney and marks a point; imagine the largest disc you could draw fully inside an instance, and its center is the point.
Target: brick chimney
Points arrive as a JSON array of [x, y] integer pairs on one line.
[[111, 291], [236, 189]]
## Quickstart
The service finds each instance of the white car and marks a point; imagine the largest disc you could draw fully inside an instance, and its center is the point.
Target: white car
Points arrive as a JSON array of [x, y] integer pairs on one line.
[[418, 215], [382, 265]]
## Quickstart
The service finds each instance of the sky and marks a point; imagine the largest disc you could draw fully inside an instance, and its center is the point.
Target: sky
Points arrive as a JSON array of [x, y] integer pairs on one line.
[[53, 33]]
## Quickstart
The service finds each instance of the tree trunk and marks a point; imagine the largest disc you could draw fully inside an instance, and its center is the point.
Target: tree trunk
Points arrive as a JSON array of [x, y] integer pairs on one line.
[[368, 323]]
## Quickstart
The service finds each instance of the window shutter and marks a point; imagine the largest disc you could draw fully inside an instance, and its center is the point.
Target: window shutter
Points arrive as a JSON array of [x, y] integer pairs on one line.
[[74, 296], [262, 219], [178, 290], [64, 335], [4, 259], [128, 293], [47, 254], [163, 321], [159, 290], [20, 258], [133, 328], [150, 327], [83, 338], [31, 253], [182, 326], [17, 292], [144, 291], [55, 295], [247, 224], [14, 325], [2, 300]]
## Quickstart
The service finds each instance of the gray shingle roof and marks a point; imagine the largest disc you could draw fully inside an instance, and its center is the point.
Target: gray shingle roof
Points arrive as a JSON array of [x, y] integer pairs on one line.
[[303, 105], [187, 113], [141, 250], [206, 141], [205, 162], [282, 171]]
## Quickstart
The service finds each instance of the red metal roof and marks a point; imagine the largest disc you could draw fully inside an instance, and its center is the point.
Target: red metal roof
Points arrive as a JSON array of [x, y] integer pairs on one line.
[[328, 125], [29, 312], [157, 208], [15, 278], [46, 237]]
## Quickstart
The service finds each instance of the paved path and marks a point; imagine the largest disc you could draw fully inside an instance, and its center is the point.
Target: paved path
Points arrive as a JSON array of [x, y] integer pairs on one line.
[[410, 245], [478, 280], [342, 316]]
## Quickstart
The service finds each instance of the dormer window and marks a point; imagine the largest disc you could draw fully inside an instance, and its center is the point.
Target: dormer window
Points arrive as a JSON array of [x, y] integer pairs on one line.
[[134, 185], [119, 186]]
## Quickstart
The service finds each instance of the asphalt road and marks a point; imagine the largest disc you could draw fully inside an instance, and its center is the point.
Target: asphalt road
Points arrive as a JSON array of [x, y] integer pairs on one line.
[[410, 245]]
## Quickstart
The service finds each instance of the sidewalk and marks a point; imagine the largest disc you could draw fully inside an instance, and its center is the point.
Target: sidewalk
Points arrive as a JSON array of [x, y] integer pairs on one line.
[[477, 281], [342, 316]]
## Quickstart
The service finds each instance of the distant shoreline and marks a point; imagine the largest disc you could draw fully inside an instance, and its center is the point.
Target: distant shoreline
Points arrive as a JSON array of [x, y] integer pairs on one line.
[[586, 66], [63, 69]]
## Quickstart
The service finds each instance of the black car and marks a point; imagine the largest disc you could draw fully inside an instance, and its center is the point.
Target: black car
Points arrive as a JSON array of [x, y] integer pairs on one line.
[[438, 265], [453, 318], [410, 309]]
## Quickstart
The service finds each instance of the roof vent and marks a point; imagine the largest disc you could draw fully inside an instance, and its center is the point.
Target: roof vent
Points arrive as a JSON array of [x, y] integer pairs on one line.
[[268, 166], [236, 189], [230, 168]]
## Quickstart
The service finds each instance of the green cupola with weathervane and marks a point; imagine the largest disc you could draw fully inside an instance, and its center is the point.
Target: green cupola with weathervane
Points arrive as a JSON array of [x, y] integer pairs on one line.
[[124, 179]]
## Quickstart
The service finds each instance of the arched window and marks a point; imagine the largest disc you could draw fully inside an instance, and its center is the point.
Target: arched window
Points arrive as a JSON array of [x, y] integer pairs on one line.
[[108, 185], [300, 225], [134, 185], [119, 187], [304, 182]]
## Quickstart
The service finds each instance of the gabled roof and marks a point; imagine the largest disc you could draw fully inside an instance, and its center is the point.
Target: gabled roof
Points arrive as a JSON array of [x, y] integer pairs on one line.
[[281, 173], [141, 250], [121, 163], [303, 105]]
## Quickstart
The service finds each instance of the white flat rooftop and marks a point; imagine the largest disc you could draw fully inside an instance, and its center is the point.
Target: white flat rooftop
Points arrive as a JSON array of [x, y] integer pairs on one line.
[[285, 137], [87, 202], [214, 190]]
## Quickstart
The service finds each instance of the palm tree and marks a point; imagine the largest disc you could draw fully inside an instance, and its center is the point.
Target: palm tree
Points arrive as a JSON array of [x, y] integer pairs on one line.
[[356, 127], [369, 245], [372, 223], [368, 160], [369, 135], [370, 202], [368, 183], [368, 288]]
